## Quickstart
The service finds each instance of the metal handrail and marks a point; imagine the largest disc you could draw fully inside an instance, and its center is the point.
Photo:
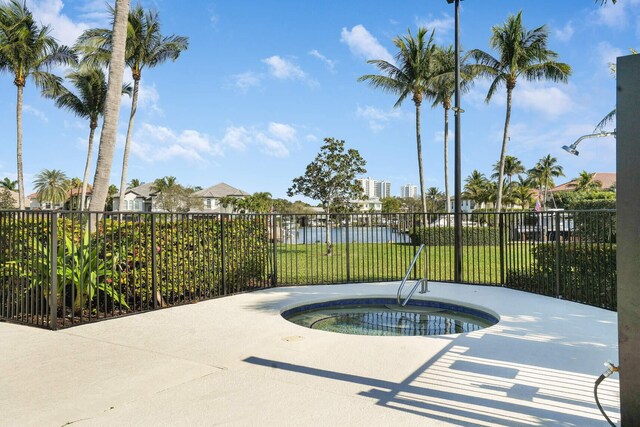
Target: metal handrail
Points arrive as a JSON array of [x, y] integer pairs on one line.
[[425, 288], [406, 276]]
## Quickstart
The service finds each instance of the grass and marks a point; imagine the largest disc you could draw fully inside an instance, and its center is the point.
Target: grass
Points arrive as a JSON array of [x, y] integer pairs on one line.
[[375, 262]]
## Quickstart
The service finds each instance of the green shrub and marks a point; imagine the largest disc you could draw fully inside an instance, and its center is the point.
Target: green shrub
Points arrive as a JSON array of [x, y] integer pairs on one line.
[[581, 200], [587, 273], [445, 236]]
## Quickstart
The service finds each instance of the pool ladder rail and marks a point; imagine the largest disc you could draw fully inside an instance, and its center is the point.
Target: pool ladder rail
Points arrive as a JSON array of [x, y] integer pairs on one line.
[[423, 283]]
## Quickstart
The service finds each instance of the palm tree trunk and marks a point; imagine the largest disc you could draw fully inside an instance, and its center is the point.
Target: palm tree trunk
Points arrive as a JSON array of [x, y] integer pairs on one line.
[[112, 107], [21, 195], [85, 178], [446, 160], [419, 147], [127, 144], [503, 153]]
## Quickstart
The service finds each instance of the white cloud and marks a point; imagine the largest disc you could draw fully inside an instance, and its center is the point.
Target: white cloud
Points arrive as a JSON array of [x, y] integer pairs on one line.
[[276, 140], [363, 44], [549, 100], [608, 54], [331, 64], [157, 143], [245, 81], [282, 131], [442, 26], [377, 118], [237, 138], [284, 69], [37, 113], [311, 138], [148, 97], [565, 33], [63, 28]]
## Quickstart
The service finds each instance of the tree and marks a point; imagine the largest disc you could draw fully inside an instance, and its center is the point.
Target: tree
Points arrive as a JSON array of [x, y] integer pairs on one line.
[[6, 199], [134, 183], [522, 192], [28, 51], [111, 192], [52, 186], [435, 199], [91, 86], [585, 182], [331, 179], [441, 89], [145, 47], [9, 184], [543, 173], [259, 202], [111, 107], [173, 197], [522, 54], [411, 76], [391, 205], [478, 188]]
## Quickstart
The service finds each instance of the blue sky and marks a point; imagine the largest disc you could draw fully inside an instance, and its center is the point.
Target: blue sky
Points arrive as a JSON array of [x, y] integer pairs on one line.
[[263, 82]]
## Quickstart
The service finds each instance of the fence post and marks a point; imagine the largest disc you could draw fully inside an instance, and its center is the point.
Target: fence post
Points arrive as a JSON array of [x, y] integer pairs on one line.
[[222, 255], [53, 286], [154, 265], [557, 237], [348, 263], [502, 243], [274, 277], [415, 247]]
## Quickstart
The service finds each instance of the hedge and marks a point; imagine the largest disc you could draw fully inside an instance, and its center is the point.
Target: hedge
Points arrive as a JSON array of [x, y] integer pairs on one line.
[[445, 236], [587, 273], [189, 258]]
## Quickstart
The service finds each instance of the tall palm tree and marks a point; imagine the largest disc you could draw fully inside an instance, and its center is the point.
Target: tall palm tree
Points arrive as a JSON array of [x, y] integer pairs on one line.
[[91, 86], [51, 185], [522, 54], [512, 167], [434, 197], [9, 184], [165, 183], [411, 75], [543, 173], [28, 51], [111, 107], [146, 47], [585, 182]]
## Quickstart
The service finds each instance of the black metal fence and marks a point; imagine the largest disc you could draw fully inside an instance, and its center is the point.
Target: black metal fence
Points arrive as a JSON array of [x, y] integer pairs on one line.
[[60, 269]]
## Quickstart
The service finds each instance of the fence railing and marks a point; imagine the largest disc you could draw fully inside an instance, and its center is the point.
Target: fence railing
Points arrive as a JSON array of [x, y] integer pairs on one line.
[[60, 269]]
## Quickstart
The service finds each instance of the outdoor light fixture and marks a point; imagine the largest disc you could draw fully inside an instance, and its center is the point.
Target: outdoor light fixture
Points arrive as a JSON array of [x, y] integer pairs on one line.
[[571, 149], [457, 188]]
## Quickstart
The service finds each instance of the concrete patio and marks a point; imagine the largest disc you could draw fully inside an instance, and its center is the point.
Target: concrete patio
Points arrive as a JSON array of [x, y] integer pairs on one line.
[[236, 361]]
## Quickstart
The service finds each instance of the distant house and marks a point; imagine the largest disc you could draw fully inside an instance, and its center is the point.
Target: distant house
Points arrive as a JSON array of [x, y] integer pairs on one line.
[[211, 197], [467, 205], [74, 195], [372, 204], [33, 202], [606, 179], [137, 199]]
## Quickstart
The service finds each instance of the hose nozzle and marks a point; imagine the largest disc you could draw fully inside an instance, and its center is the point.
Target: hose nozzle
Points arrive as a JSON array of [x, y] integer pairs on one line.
[[611, 368]]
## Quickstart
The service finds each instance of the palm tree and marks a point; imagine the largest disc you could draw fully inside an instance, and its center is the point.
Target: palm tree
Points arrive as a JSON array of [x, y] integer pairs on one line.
[[522, 192], [91, 86], [52, 186], [28, 51], [434, 197], [146, 47], [9, 184], [522, 54], [585, 182], [478, 188], [512, 167], [543, 173], [111, 107], [163, 184], [411, 76], [135, 183]]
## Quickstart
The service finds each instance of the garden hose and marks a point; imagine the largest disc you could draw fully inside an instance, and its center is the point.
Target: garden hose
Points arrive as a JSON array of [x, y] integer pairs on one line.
[[611, 368]]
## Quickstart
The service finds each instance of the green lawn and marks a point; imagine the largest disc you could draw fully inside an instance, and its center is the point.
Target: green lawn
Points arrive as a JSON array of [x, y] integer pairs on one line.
[[369, 262]]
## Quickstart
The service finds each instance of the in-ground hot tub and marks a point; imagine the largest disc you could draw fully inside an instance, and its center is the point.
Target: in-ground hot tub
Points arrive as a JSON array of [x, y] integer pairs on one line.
[[383, 316]]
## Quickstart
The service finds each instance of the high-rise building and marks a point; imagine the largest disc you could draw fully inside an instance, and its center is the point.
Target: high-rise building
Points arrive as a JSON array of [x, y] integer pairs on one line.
[[382, 189], [374, 188], [409, 191]]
